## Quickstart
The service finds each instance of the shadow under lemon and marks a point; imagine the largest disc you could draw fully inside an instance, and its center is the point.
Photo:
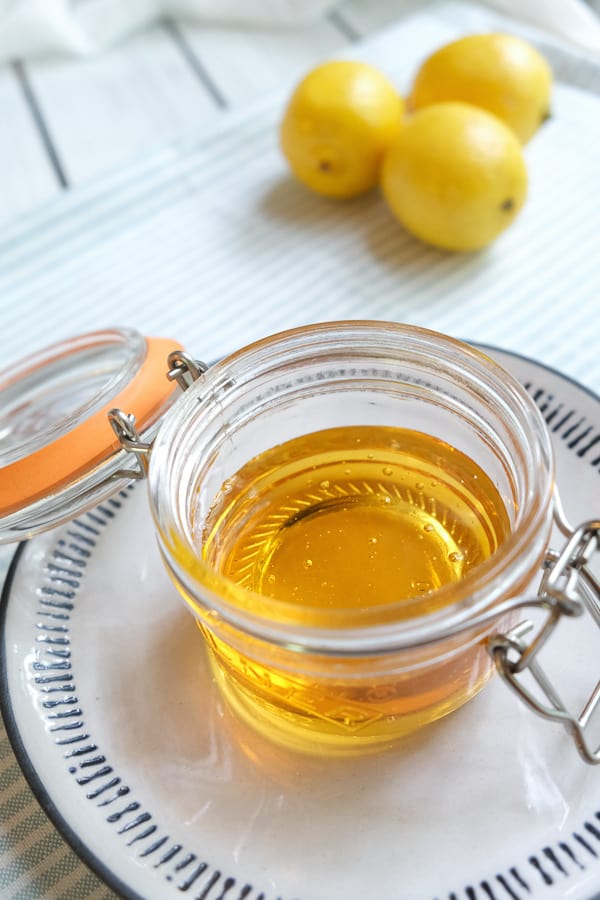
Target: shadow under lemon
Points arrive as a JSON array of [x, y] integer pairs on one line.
[[363, 237]]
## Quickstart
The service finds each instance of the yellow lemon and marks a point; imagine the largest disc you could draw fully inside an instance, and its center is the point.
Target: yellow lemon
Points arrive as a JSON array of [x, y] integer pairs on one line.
[[455, 177], [340, 120], [499, 72]]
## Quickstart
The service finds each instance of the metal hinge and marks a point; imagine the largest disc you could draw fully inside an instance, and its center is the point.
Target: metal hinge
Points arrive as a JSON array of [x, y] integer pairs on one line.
[[185, 371], [568, 588]]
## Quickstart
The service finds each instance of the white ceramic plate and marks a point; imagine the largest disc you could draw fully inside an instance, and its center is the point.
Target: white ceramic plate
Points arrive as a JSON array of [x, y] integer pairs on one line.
[[112, 714]]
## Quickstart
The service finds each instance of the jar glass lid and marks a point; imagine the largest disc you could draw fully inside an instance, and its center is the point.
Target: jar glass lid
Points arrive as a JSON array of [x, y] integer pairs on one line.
[[58, 452]]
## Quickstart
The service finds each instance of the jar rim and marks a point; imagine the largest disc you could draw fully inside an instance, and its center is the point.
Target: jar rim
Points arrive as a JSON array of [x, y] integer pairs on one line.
[[455, 603]]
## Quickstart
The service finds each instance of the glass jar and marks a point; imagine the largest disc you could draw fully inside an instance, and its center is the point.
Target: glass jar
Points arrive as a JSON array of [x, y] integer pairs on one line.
[[353, 680]]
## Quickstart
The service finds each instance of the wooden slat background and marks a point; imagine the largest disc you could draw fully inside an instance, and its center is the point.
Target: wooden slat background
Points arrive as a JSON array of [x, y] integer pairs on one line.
[[65, 121]]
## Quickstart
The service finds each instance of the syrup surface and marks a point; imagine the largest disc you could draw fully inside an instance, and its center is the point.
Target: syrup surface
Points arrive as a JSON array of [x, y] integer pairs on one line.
[[354, 516], [342, 520]]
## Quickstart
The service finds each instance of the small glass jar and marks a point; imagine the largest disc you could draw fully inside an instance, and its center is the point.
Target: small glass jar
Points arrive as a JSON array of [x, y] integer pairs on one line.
[[350, 681]]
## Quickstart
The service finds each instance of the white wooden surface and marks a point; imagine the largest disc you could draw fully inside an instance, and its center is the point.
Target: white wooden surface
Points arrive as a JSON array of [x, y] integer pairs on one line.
[[65, 121]]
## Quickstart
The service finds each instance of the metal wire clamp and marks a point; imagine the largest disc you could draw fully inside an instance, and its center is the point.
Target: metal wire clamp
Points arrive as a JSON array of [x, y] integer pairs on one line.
[[184, 370], [567, 588]]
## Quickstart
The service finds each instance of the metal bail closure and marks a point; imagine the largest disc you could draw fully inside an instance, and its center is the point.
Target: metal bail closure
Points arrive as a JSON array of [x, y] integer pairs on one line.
[[123, 425], [568, 588], [183, 369]]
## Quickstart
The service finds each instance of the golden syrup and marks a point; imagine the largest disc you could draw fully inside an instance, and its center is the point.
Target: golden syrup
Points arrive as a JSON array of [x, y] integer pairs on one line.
[[348, 517], [341, 521]]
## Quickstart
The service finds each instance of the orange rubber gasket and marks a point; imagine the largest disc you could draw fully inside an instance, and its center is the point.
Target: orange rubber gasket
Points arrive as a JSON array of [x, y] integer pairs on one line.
[[93, 441]]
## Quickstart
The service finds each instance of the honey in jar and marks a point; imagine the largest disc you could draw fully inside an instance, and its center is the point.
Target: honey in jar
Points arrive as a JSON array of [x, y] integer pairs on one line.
[[342, 519], [343, 507], [347, 517]]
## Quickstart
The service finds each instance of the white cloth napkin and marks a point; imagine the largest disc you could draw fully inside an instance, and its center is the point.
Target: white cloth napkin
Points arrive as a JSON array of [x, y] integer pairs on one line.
[[81, 27]]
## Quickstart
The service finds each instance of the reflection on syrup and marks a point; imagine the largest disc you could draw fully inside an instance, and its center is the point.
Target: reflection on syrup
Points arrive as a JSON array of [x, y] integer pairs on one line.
[[338, 522], [355, 516]]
